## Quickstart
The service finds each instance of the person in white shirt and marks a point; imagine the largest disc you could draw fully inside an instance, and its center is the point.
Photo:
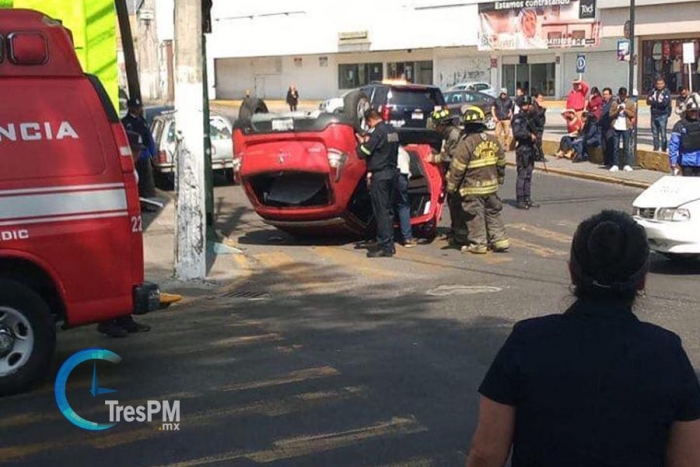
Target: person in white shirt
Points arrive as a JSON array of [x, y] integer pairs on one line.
[[403, 205], [622, 113]]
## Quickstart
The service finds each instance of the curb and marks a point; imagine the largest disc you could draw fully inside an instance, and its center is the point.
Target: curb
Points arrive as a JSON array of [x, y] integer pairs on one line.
[[592, 177]]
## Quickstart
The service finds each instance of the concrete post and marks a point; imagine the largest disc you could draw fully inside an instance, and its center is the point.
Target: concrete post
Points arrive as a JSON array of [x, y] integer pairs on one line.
[[190, 254]]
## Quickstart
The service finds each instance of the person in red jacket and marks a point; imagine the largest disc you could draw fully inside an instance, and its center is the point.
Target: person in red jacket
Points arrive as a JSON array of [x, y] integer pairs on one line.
[[577, 97], [595, 103]]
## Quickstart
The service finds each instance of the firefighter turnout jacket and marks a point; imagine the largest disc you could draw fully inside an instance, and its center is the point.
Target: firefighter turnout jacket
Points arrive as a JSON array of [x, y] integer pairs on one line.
[[478, 166]]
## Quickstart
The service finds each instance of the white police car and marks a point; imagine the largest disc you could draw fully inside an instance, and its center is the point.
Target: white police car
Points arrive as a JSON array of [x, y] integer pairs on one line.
[[669, 211]]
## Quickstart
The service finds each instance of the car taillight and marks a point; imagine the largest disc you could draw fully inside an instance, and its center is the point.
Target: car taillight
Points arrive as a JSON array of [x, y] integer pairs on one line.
[[126, 158], [386, 113], [162, 156], [337, 160]]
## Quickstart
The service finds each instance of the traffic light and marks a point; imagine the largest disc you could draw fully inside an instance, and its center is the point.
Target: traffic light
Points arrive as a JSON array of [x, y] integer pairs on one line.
[[206, 16]]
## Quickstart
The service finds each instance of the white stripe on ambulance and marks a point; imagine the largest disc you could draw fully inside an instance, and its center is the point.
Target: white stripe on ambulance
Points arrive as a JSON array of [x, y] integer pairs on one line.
[[61, 204]]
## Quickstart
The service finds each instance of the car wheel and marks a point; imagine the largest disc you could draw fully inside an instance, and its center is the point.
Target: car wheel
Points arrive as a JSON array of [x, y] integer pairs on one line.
[[680, 257], [27, 337], [355, 104], [490, 124], [250, 107], [230, 176]]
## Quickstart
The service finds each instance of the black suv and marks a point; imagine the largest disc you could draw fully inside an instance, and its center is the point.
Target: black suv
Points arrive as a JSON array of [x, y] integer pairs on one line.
[[407, 107]]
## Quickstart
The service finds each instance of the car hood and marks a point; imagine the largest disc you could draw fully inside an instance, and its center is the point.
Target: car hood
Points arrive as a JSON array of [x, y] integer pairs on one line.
[[669, 192]]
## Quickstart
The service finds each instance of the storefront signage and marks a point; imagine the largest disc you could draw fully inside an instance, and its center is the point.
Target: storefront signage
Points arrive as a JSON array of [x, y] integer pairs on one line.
[[688, 53], [353, 36], [538, 24], [623, 50]]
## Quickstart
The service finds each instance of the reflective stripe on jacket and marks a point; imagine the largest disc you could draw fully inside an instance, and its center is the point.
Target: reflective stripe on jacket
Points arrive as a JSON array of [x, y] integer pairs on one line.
[[478, 162]]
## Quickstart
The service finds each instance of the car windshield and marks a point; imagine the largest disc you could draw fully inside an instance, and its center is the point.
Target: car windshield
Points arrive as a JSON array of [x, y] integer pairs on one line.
[[219, 130], [419, 97]]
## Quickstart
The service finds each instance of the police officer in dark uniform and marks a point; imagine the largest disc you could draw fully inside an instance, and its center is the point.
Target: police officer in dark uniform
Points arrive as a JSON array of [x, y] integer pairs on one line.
[[540, 119], [525, 134], [381, 150], [684, 145], [135, 122]]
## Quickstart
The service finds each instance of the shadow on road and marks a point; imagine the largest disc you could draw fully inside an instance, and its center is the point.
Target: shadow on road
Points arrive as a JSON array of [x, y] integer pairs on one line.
[[305, 376]]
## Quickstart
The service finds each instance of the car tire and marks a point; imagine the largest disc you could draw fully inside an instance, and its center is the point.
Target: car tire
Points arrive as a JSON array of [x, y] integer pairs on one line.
[[230, 176], [355, 104], [250, 107], [24, 313], [679, 257]]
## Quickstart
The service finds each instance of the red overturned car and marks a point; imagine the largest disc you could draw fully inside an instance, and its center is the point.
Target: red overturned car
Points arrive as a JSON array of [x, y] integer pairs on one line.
[[302, 175]]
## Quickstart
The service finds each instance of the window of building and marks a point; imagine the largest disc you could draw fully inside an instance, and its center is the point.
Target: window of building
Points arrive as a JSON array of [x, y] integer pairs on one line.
[[536, 77], [413, 72], [355, 75], [664, 58]]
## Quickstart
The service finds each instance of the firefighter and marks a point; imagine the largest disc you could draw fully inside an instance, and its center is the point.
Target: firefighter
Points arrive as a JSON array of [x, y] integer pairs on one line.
[[447, 125], [684, 146], [381, 150], [477, 169], [525, 134]]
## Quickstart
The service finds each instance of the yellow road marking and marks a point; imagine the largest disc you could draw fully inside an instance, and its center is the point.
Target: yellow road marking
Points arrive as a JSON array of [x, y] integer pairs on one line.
[[543, 233], [356, 260], [292, 377], [238, 341], [543, 251], [305, 445]]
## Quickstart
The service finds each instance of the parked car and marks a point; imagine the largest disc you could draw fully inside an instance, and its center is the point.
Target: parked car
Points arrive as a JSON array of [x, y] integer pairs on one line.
[[220, 132], [302, 175], [478, 86], [334, 104], [669, 211], [456, 100], [407, 107]]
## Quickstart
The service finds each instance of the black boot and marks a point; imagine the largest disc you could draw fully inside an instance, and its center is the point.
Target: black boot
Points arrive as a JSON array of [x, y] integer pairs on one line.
[[129, 325], [111, 329], [520, 204], [532, 204], [381, 253]]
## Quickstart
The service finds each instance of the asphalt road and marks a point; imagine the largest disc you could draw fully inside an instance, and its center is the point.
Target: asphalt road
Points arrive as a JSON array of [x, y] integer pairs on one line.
[[320, 356]]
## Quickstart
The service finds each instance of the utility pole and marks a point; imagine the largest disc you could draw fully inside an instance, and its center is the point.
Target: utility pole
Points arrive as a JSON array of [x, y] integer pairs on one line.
[[631, 81], [132, 72], [190, 249]]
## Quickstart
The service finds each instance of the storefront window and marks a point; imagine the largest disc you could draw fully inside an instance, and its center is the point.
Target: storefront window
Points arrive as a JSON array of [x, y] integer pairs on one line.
[[664, 59], [414, 72], [537, 77], [358, 74]]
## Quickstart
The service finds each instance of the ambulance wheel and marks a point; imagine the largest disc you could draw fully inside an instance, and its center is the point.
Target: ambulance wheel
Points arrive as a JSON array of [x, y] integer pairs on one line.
[[27, 337], [355, 104]]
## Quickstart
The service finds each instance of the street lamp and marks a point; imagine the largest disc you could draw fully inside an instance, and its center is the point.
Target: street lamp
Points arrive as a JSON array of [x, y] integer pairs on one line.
[[631, 80]]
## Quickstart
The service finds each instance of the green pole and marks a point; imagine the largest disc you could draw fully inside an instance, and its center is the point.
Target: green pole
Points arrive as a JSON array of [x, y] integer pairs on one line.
[[208, 172]]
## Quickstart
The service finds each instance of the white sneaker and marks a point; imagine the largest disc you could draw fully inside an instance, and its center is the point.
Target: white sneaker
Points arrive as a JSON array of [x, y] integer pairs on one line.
[[627, 168], [614, 168]]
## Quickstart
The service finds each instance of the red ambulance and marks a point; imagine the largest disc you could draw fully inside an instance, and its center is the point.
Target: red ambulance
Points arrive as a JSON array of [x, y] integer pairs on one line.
[[71, 245]]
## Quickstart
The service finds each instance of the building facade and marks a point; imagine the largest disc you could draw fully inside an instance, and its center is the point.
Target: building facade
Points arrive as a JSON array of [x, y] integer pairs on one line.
[[325, 49]]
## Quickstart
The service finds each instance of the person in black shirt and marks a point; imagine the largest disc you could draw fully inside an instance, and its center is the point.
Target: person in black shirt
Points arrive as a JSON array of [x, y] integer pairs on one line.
[[135, 122], [381, 150], [593, 386]]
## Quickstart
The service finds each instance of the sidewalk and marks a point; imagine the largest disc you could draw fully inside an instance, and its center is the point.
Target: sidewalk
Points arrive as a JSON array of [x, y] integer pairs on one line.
[[159, 255], [640, 178]]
